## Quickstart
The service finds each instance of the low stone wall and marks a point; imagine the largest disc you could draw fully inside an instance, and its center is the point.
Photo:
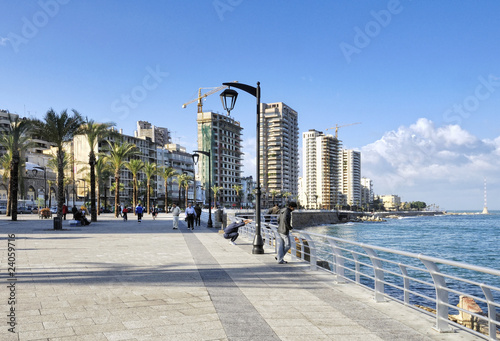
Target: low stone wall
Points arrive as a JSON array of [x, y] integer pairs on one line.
[[304, 218]]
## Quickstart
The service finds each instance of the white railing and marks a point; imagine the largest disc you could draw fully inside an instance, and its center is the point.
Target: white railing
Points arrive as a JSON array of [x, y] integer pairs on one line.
[[405, 277]]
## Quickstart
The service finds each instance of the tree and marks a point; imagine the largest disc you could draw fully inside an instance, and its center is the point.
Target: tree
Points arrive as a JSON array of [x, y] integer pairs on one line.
[[216, 190], [15, 140], [166, 173], [117, 157], [238, 189], [103, 172], [183, 181], [286, 195], [95, 133], [134, 166], [150, 170], [274, 193], [58, 129]]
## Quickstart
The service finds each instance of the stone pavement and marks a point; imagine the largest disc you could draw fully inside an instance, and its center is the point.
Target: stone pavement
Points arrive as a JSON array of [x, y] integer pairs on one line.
[[116, 280]]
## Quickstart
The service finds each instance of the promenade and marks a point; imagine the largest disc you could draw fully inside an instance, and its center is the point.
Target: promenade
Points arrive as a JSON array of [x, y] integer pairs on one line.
[[115, 280]]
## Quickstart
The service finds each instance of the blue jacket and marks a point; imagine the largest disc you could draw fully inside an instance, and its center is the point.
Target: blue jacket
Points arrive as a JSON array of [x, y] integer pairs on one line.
[[233, 227], [138, 209]]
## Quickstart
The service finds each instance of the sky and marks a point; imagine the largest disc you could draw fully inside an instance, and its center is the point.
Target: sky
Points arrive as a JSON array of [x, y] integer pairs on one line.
[[421, 77]]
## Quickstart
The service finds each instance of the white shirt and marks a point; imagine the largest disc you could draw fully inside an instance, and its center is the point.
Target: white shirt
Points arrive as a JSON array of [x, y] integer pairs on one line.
[[190, 210], [176, 211]]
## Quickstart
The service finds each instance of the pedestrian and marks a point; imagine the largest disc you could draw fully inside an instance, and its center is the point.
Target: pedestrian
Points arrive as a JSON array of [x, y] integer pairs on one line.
[[64, 211], [197, 209], [284, 227], [119, 210], [154, 212], [176, 211], [190, 216], [231, 232], [124, 212], [139, 211]]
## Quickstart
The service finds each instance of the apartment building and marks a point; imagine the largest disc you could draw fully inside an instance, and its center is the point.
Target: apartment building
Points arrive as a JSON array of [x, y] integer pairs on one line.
[[366, 192], [350, 186], [320, 166], [160, 136], [279, 151], [221, 136]]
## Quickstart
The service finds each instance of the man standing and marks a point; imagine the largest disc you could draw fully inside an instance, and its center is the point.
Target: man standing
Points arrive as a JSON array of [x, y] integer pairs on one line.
[[190, 215], [139, 211], [175, 213], [284, 227], [197, 209]]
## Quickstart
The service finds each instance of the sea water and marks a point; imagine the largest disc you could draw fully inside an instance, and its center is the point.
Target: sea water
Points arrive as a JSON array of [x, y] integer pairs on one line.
[[469, 238]]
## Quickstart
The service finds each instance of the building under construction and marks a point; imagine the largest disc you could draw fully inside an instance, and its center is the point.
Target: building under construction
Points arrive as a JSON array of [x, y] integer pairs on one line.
[[221, 135]]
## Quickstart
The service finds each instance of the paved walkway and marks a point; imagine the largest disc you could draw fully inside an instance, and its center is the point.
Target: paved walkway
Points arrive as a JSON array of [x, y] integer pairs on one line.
[[116, 280]]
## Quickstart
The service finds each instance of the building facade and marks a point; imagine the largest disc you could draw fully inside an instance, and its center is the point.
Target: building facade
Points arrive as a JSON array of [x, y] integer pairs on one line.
[[366, 192], [321, 175], [221, 136], [350, 186], [279, 151]]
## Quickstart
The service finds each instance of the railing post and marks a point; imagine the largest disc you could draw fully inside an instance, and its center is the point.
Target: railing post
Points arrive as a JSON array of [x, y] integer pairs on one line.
[[378, 273], [406, 283], [492, 312], [338, 260], [442, 324], [312, 250]]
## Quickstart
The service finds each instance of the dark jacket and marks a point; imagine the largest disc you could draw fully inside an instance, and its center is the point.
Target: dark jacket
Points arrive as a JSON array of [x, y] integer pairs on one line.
[[285, 221], [233, 227]]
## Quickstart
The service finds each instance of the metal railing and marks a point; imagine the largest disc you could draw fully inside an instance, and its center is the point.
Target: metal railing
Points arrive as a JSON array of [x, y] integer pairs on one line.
[[414, 280]]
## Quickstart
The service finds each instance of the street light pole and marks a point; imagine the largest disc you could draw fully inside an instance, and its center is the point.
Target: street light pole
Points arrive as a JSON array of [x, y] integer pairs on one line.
[[258, 244], [195, 160]]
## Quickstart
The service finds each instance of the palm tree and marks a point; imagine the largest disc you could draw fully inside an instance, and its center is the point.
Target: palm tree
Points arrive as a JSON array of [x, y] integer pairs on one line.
[[286, 195], [58, 129], [238, 189], [182, 180], [95, 133], [117, 157], [216, 190], [5, 163], [274, 193], [150, 170], [103, 172], [134, 166], [166, 173], [15, 140], [185, 184]]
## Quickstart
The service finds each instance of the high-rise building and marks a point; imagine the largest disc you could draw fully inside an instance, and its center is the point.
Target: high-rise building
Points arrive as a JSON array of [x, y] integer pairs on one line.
[[350, 186], [221, 136], [366, 192], [279, 151], [321, 175], [158, 135]]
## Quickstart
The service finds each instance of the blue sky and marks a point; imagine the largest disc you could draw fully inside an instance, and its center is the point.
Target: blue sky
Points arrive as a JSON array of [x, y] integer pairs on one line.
[[422, 77]]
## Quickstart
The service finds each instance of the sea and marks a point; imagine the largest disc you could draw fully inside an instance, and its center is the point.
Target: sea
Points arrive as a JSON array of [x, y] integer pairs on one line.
[[464, 236]]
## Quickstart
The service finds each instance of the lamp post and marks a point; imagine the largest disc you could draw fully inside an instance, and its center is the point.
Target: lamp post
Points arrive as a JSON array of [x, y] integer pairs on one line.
[[196, 156], [228, 98]]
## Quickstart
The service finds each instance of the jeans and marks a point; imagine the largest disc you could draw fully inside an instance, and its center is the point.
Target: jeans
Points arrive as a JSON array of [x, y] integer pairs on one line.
[[283, 246], [233, 236]]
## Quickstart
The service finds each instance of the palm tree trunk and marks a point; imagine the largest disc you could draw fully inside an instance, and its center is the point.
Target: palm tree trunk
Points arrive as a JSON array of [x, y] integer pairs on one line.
[[93, 211], [166, 196], [9, 204], [117, 193], [60, 182], [149, 189], [134, 192], [14, 173]]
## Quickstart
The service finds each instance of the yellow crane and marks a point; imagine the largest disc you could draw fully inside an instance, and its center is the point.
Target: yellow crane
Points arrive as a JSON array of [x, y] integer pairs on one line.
[[201, 97], [337, 128]]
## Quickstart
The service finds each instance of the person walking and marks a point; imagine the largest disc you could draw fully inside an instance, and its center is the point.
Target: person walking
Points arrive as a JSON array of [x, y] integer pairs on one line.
[[231, 232], [176, 211], [190, 216], [139, 211], [125, 211], [64, 211], [197, 209], [284, 227], [154, 212]]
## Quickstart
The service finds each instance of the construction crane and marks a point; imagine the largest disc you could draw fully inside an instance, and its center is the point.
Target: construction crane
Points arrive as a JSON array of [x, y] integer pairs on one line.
[[337, 128], [201, 97]]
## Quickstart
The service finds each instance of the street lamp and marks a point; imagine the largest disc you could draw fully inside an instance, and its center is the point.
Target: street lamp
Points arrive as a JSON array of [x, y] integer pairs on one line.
[[228, 98], [196, 156]]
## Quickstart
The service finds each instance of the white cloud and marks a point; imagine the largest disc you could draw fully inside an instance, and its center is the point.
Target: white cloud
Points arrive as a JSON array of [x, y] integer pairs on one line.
[[441, 165], [3, 41]]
